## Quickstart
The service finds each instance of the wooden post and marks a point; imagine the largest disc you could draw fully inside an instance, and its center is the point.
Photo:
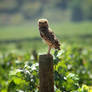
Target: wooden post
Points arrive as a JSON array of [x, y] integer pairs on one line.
[[46, 73]]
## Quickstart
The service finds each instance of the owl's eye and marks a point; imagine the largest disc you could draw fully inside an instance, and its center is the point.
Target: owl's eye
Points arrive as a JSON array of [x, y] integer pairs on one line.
[[45, 22], [40, 22]]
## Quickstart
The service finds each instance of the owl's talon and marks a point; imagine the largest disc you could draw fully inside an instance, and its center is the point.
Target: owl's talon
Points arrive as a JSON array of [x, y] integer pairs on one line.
[[49, 48]]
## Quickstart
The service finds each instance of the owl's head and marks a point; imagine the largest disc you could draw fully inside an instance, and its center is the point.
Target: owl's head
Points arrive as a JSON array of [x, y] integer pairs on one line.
[[43, 23]]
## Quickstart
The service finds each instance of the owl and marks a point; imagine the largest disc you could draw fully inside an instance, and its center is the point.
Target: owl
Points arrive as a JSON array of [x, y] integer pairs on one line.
[[48, 35]]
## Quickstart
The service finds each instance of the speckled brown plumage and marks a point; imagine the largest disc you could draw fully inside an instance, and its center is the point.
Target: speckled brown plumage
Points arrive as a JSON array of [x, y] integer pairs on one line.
[[47, 35]]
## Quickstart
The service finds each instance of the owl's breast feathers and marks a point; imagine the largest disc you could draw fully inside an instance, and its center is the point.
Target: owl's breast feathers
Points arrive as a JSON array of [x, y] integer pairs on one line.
[[50, 38]]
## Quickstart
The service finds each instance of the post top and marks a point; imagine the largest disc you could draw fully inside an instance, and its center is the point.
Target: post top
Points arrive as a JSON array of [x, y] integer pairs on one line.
[[46, 55], [45, 58]]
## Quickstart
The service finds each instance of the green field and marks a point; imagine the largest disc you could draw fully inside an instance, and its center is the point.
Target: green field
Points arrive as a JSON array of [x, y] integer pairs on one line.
[[61, 29], [75, 33]]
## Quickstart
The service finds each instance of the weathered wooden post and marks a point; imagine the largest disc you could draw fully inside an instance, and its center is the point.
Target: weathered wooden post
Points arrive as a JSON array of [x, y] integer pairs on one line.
[[46, 73]]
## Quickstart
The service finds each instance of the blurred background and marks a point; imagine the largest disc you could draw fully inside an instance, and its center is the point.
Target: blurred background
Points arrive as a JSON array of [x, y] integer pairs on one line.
[[20, 44], [69, 19]]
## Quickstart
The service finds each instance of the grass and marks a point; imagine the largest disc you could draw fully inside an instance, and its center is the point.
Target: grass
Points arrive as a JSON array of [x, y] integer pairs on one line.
[[23, 31], [77, 33]]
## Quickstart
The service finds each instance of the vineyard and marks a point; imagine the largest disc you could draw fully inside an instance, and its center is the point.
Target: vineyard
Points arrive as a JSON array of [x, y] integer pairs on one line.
[[72, 70], [19, 59]]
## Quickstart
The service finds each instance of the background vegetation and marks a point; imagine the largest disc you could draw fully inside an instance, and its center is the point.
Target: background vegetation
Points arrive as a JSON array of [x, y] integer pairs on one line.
[[21, 45]]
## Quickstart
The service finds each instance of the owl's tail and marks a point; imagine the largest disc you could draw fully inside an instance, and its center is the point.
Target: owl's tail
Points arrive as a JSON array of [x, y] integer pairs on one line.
[[58, 46]]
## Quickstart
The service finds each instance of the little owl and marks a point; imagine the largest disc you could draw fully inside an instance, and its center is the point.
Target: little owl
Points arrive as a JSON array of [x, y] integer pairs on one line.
[[47, 35]]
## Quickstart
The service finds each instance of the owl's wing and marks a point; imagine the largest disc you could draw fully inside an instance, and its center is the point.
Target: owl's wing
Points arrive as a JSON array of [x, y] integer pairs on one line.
[[51, 38], [54, 40]]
